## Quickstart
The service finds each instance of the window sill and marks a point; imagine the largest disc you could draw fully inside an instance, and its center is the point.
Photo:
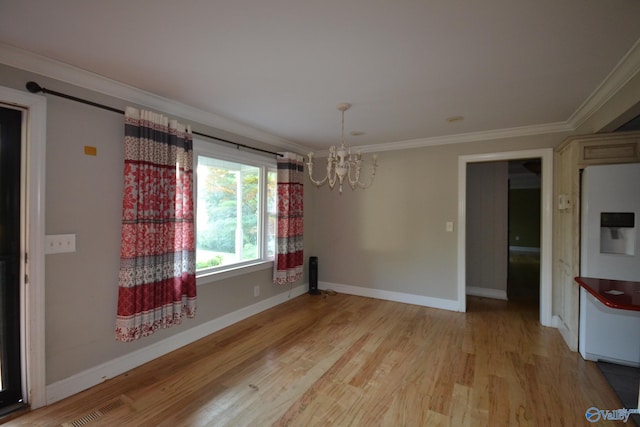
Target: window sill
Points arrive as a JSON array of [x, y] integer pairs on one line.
[[232, 271]]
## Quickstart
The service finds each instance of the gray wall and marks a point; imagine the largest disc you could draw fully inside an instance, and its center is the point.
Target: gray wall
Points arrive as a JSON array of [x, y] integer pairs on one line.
[[487, 224], [392, 236], [84, 197]]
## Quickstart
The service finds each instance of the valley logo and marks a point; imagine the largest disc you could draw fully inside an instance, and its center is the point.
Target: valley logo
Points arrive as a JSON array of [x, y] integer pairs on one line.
[[593, 414]]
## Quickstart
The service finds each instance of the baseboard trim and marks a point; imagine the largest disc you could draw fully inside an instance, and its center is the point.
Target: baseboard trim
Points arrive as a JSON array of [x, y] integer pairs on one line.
[[487, 293], [444, 304], [98, 374], [599, 358]]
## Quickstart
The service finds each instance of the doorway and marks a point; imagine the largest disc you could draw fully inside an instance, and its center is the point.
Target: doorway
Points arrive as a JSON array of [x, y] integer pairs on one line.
[[10, 258], [31, 240], [523, 267], [503, 230], [546, 157]]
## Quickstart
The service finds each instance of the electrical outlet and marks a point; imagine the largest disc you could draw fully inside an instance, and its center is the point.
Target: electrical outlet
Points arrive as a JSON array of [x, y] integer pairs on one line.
[[449, 226], [60, 243], [256, 291]]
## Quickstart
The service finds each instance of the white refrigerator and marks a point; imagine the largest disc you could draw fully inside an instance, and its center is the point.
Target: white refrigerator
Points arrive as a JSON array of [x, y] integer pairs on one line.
[[610, 249]]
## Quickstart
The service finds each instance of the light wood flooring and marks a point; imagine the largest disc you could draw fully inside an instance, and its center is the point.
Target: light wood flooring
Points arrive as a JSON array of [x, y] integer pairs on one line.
[[351, 361]]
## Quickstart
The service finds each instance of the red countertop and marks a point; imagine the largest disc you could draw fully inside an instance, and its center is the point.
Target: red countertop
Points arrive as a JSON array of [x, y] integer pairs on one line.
[[620, 294]]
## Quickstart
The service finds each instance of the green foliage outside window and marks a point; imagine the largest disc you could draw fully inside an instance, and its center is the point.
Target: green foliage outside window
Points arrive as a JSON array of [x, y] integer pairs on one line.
[[227, 233]]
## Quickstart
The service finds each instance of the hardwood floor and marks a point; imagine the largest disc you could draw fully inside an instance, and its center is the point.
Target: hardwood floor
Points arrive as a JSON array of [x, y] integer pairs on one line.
[[523, 277], [351, 361]]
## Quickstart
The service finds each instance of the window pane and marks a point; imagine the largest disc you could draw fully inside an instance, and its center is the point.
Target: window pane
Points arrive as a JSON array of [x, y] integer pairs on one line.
[[227, 213]]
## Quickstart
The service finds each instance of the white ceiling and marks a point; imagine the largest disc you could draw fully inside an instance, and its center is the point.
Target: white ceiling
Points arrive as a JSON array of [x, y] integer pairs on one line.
[[281, 66]]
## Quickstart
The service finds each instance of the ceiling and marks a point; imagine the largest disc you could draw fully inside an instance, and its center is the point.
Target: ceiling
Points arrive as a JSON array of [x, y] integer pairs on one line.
[[281, 66]]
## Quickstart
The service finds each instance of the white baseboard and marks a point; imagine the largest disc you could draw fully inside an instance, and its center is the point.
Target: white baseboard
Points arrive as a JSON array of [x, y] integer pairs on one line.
[[600, 358], [487, 293], [93, 376], [445, 304]]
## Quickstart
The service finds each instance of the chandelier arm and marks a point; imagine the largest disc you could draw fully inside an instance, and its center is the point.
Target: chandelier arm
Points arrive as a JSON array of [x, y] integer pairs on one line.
[[313, 180], [331, 172], [367, 185], [310, 169], [332, 183], [353, 182], [374, 166], [318, 183]]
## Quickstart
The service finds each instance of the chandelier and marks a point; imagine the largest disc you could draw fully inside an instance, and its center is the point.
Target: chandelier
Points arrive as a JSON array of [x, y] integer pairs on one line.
[[342, 164]]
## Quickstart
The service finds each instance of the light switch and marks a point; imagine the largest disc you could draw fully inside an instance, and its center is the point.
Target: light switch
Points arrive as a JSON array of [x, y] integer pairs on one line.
[[449, 226], [563, 202], [60, 243]]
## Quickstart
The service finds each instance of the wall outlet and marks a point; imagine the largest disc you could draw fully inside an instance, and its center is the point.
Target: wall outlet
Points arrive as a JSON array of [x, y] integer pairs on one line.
[[256, 291], [60, 243], [449, 226]]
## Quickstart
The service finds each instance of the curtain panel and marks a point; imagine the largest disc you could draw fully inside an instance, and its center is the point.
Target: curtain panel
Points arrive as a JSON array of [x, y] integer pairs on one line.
[[289, 262], [157, 284]]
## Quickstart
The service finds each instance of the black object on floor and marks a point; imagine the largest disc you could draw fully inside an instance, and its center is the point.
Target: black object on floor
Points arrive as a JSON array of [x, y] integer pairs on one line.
[[624, 380]]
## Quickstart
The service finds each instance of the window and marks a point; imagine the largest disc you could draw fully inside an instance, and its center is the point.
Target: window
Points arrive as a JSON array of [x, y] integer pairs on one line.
[[235, 208]]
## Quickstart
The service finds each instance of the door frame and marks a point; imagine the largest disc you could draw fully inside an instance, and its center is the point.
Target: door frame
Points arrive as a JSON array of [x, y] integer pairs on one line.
[[546, 230], [32, 323]]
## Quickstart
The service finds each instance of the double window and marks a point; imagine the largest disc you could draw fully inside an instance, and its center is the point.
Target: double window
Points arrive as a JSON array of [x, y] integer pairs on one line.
[[235, 208]]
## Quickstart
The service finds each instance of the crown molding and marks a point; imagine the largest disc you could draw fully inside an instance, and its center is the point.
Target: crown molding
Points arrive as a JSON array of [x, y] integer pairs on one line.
[[515, 132], [621, 74], [29, 61], [624, 71]]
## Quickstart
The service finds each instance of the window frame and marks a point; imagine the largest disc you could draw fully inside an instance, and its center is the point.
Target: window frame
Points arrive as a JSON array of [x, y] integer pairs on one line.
[[266, 165]]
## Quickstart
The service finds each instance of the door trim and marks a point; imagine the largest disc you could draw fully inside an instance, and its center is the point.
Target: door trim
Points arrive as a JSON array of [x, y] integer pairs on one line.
[[546, 231], [32, 295]]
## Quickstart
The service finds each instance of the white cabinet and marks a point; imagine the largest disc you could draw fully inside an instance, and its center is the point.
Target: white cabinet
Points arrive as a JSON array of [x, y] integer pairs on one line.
[[573, 155]]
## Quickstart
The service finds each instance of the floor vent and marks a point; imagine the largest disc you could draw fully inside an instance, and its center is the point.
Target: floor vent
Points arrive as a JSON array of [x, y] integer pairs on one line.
[[94, 415]]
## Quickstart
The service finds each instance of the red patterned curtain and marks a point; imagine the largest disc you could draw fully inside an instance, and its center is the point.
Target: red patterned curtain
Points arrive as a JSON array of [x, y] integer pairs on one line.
[[157, 284], [289, 256]]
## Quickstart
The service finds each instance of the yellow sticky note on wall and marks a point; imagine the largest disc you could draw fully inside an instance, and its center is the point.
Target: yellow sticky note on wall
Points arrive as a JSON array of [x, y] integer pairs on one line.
[[90, 151]]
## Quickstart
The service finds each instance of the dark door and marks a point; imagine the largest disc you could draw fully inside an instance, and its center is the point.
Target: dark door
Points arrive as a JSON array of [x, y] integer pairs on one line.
[[523, 273], [10, 155]]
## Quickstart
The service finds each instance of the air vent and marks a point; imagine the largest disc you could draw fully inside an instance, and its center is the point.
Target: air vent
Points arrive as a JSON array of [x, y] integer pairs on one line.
[[94, 415]]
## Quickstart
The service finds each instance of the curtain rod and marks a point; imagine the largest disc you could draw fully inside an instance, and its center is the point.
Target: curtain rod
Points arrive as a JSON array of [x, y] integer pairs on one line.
[[34, 87]]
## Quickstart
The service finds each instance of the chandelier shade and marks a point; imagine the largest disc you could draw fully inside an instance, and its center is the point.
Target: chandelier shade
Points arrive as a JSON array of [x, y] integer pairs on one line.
[[342, 165]]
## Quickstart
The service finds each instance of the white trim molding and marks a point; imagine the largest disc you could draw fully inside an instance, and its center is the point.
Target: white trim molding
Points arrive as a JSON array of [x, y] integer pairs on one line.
[[624, 71], [29, 61], [490, 135], [444, 304], [487, 292], [33, 320], [546, 232], [98, 374], [621, 74]]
